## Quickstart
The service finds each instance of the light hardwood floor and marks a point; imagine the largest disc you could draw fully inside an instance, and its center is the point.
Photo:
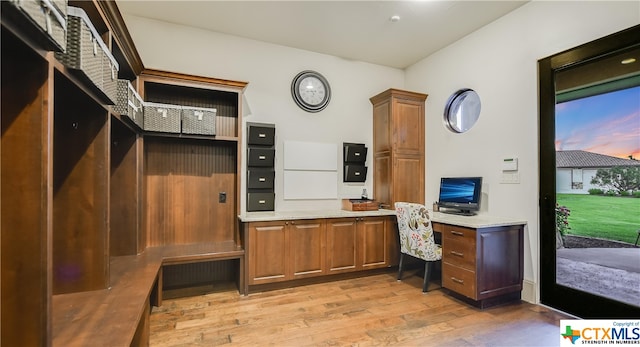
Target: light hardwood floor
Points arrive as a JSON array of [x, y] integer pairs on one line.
[[367, 311]]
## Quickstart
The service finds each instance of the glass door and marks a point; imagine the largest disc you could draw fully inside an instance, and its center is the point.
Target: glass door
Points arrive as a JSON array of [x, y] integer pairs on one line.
[[589, 178]]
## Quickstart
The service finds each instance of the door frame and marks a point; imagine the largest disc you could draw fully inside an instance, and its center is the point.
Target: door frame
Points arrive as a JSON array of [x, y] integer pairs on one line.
[[576, 302]]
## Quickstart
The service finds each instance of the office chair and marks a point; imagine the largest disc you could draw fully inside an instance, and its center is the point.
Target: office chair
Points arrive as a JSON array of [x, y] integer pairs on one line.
[[416, 237]]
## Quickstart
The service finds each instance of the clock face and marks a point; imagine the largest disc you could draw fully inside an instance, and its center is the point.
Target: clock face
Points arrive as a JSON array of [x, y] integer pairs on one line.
[[311, 91]]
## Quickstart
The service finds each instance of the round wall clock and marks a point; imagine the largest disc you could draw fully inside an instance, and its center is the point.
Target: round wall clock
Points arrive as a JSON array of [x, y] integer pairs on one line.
[[311, 91]]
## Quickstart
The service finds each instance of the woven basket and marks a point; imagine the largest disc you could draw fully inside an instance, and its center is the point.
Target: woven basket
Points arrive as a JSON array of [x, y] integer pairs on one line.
[[196, 120], [129, 103], [162, 117], [84, 46], [109, 75], [50, 18]]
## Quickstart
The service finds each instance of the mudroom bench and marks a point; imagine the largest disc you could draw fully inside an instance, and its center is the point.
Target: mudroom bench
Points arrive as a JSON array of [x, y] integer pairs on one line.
[[119, 315]]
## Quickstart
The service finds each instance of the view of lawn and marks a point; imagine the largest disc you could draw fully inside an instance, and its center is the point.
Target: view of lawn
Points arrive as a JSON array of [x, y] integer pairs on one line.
[[605, 217]]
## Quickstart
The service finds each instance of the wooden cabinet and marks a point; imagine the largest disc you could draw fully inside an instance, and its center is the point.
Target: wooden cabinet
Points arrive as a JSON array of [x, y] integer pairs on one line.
[[288, 250], [484, 265], [285, 250], [398, 146]]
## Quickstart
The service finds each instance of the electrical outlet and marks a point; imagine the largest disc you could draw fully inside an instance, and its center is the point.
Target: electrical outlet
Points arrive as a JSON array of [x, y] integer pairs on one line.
[[222, 197]]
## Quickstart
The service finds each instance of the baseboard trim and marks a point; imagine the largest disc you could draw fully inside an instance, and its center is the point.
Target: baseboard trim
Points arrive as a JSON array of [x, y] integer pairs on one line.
[[529, 292]]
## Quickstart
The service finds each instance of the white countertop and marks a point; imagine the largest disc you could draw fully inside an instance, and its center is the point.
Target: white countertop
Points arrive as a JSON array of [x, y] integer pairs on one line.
[[292, 215], [477, 221]]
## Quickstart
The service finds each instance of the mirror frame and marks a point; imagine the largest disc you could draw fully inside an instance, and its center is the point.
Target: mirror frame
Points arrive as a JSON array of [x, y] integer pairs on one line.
[[455, 104]]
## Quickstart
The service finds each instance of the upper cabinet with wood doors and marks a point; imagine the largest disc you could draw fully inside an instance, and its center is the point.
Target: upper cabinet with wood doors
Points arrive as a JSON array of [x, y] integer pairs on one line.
[[398, 147]]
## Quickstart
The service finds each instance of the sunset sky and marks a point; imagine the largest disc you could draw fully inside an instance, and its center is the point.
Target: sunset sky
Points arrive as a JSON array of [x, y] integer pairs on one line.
[[607, 124]]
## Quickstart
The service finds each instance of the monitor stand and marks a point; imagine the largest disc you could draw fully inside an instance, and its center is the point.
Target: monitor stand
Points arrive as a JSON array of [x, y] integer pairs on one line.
[[459, 212]]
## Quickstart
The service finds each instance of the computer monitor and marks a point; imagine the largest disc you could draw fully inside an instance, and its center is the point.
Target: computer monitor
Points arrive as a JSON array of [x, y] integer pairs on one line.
[[460, 195]]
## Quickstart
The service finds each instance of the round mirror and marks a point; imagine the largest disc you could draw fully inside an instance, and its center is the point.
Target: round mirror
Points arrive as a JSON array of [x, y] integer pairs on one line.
[[462, 110]]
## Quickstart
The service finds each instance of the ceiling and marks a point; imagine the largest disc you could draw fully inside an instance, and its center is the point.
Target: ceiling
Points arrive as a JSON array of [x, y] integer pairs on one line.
[[353, 30]]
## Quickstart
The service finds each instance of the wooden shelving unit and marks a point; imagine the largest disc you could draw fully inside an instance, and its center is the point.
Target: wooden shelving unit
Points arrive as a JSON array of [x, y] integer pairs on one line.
[[192, 182], [93, 206]]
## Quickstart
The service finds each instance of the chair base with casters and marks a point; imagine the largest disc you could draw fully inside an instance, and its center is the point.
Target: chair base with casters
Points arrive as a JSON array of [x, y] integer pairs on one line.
[[428, 270]]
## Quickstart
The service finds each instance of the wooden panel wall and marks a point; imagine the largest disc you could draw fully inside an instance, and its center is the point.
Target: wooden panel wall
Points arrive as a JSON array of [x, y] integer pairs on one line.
[[183, 180], [80, 191], [125, 192], [186, 275]]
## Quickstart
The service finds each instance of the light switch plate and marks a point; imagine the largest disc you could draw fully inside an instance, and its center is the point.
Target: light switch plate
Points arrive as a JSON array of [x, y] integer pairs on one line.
[[510, 178]]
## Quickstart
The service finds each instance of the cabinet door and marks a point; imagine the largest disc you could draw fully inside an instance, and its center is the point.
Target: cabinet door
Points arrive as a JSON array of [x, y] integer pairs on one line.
[[307, 248], [408, 179], [408, 126], [268, 252], [500, 261], [372, 243], [341, 245]]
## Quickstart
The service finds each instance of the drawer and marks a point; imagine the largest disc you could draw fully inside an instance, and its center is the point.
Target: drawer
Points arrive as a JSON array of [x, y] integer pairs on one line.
[[262, 157], [261, 135], [260, 179], [355, 173], [460, 252], [459, 280], [456, 232], [354, 153], [260, 201]]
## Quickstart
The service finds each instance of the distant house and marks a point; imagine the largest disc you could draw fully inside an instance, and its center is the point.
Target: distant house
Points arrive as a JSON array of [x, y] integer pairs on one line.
[[575, 169]]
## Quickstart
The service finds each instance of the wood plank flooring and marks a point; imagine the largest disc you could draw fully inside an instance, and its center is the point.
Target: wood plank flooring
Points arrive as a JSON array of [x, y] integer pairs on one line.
[[367, 311]]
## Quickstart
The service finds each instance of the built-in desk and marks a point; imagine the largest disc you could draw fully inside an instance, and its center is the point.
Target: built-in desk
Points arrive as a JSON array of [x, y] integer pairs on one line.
[[482, 255]]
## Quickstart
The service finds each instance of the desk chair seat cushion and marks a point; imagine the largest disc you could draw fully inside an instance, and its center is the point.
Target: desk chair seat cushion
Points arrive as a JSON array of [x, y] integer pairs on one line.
[[416, 232]]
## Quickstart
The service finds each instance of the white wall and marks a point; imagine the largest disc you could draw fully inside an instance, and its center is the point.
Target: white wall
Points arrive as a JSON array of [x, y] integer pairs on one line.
[[499, 61], [269, 69]]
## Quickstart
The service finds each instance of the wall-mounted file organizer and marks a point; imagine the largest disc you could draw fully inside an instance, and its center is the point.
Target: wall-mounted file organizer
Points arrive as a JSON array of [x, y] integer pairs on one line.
[[354, 160], [260, 166]]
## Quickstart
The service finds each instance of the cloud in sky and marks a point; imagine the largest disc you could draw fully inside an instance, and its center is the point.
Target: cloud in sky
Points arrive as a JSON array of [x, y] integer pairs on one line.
[[607, 124]]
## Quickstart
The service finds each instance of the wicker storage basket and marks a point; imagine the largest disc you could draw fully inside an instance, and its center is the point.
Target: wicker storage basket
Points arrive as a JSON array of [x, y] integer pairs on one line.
[[129, 103], [196, 120], [50, 17], [84, 46], [162, 117], [109, 75]]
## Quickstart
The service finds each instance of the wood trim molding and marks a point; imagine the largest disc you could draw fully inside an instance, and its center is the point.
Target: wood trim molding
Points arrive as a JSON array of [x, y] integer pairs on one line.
[[150, 74], [121, 34]]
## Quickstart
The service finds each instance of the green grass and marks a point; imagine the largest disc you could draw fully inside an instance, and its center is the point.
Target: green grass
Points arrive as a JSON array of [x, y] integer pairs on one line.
[[605, 217]]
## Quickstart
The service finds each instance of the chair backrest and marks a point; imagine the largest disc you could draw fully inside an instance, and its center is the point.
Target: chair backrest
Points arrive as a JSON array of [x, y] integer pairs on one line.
[[416, 232]]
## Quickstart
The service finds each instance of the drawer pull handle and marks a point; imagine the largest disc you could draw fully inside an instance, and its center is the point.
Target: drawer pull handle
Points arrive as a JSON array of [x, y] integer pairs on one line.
[[457, 233], [262, 157], [262, 179], [457, 280], [262, 201], [357, 154], [262, 135], [459, 254]]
